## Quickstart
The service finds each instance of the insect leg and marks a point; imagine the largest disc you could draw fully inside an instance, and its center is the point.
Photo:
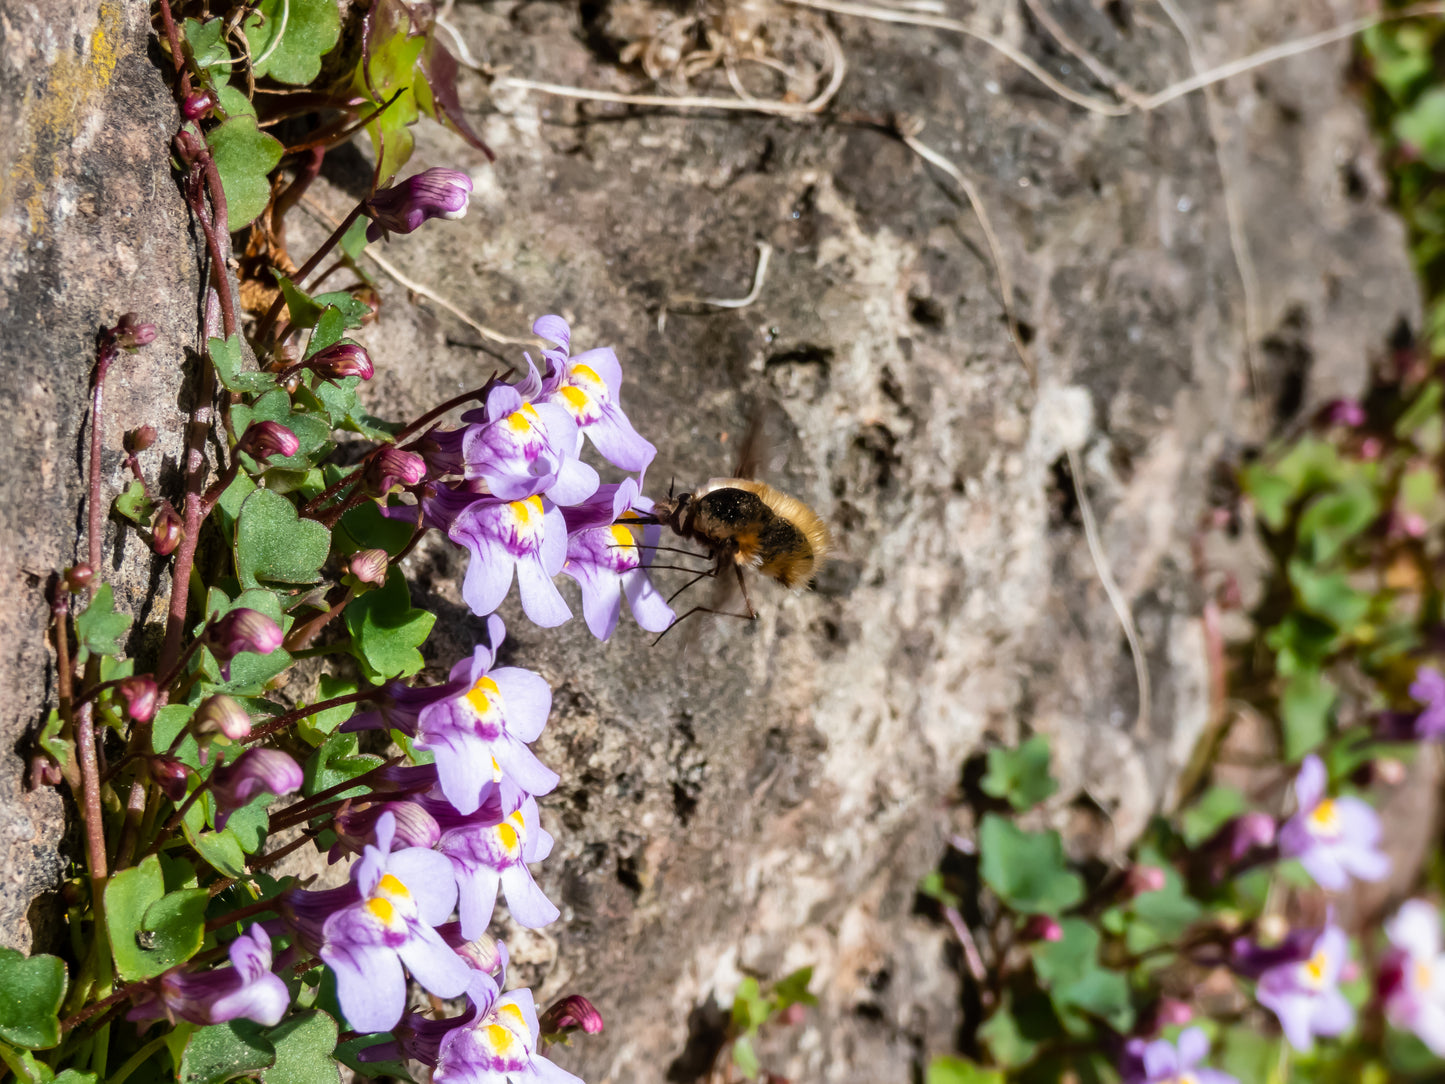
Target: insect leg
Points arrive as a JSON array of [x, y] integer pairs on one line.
[[752, 613]]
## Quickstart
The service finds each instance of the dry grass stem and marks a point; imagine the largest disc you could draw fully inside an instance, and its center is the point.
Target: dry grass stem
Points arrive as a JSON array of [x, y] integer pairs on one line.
[[765, 253]]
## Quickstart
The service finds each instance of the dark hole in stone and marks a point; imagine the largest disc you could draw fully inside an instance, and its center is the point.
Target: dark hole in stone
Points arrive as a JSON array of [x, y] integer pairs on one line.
[[1354, 181], [876, 443], [1119, 14], [869, 1010], [1063, 500], [684, 801], [807, 354], [707, 1030], [1289, 356], [1402, 336], [1026, 331], [627, 875], [926, 311]]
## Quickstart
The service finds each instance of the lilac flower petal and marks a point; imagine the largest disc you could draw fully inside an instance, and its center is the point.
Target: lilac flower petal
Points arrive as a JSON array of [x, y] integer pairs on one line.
[[554, 541], [1161, 1060], [522, 766], [601, 598], [1359, 823], [434, 964], [1193, 1047], [540, 844], [618, 443], [369, 984], [1333, 1014], [1309, 785], [527, 1006], [1416, 929], [428, 877], [527, 699], [548, 1072], [541, 601], [529, 906], [478, 901], [1429, 1026], [1324, 866], [555, 329], [464, 770], [575, 482], [649, 607], [488, 578], [602, 360], [265, 1001], [1368, 865]]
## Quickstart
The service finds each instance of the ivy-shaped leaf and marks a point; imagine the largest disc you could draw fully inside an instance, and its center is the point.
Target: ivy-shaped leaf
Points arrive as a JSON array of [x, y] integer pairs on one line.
[[313, 434], [226, 356], [386, 630], [274, 543], [1026, 869], [98, 630], [301, 310], [134, 505], [223, 1052], [288, 38], [1020, 775], [31, 991], [335, 762], [1422, 126], [244, 156], [304, 1046]]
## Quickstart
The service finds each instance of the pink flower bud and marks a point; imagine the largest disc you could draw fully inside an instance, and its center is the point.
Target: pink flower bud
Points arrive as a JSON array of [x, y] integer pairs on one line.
[[220, 714], [369, 566], [242, 630], [78, 577], [170, 775], [1371, 448], [570, 1014], [1173, 1013], [265, 439], [140, 438], [196, 106], [402, 208], [1389, 771], [130, 332], [415, 827], [140, 694], [1042, 928], [391, 466], [1346, 412], [1142, 879], [165, 529], [341, 360], [256, 771]]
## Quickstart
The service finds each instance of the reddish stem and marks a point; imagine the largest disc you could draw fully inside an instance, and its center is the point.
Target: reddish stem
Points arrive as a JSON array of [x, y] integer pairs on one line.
[[475, 395], [281, 722]]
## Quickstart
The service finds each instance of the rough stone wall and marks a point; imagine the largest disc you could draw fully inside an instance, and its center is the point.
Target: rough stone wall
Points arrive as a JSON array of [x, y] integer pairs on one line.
[[770, 798], [91, 226]]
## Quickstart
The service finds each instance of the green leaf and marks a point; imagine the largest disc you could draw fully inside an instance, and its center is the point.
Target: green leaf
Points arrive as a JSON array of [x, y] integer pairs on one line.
[[1210, 813], [249, 671], [206, 42], [303, 1051], [234, 102], [1328, 595], [245, 156], [168, 722], [1020, 775], [365, 528], [1332, 519], [274, 543], [315, 729], [745, 1057], [1304, 710], [750, 1008], [301, 309], [329, 329], [31, 991], [222, 851], [134, 505], [175, 925], [1422, 126], [792, 990], [128, 898], [49, 739], [347, 1051], [1275, 484], [354, 240], [99, 629], [226, 356], [352, 310], [391, 48], [1100, 993], [336, 762], [1421, 421], [1068, 959], [288, 38], [1399, 57], [1013, 1032], [1163, 916], [946, 1069], [1026, 869], [386, 630], [936, 888], [248, 825], [313, 433], [225, 1051]]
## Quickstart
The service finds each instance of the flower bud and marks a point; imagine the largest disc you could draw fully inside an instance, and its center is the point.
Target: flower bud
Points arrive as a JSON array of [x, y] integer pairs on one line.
[[44, 772], [220, 714], [78, 577], [1252, 959], [140, 694], [256, 771], [188, 146], [1372, 448], [341, 360], [170, 775], [196, 106], [265, 439], [1346, 412], [1389, 771], [1172, 1013], [165, 529], [391, 466], [402, 208], [570, 1014], [130, 332], [242, 630], [1042, 928], [369, 566], [140, 438], [1142, 879], [485, 954], [415, 827]]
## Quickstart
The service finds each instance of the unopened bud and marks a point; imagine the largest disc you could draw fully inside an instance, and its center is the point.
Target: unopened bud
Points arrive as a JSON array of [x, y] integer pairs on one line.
[[196, 106], [256, 771], [414, 826], [1142, 879], [220, 714], [369, 566], [242, 630], [170, 775], [165, 529], [391, 466], [265, 439], [1171, 1012], [44, 772], [78, 577], [1042, 928], [485, 953], [140, 694], [1346, 412], [341, 360], [1389, 771], [571, 1013], [434, 193], [140, 438], [188, 146], [131, 333]]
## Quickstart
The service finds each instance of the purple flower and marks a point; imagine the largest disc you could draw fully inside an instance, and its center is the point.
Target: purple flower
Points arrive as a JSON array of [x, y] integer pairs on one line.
[[520, 449], [261, 440], [242, 630], [256, 771], [607, 562], [1333, 838], [529, 535], [1429, 689], [569, 1014], [340, 360], [403, 896], [392, 466], [498, 1044], [245, 989], [433, 193], [1305, 995], [1412, 975], [1162, 1062], [220, 714], [355, 828], [486, 857], [588, 386]]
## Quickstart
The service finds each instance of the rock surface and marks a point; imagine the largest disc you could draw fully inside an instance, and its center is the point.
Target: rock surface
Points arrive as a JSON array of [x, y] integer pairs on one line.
[[770, 799], [91, 226]]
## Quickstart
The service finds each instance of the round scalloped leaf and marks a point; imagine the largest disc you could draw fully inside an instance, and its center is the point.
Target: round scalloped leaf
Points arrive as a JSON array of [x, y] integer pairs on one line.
[[31, 990]]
